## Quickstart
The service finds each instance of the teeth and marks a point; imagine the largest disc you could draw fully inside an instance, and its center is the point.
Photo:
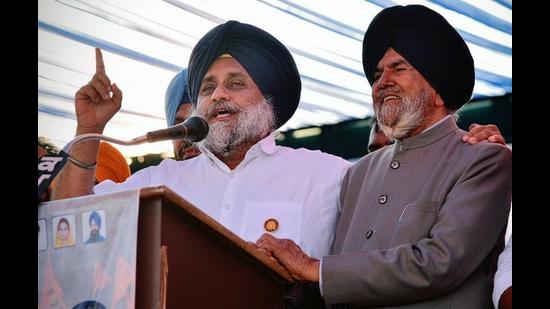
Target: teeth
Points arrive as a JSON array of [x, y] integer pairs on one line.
[[390, 97], [223, 114]]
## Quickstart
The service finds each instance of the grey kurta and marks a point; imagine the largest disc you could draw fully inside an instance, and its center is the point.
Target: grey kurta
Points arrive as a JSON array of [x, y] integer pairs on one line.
[[419, 218]]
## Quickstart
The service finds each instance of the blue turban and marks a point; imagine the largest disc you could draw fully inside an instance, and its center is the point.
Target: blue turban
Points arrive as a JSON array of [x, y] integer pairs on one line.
[[95, 216], [176, 95], [265, 59], [429, 43]]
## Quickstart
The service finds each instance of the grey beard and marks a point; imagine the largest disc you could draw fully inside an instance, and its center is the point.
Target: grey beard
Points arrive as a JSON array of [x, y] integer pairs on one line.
[[399, 120], [251, 125]]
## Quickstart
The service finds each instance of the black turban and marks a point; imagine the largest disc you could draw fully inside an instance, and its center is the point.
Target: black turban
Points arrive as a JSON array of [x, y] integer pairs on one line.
[[429, 43], [267, 61]]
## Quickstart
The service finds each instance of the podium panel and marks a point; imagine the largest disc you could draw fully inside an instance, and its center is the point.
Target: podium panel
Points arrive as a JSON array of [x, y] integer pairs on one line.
[[206, 265]]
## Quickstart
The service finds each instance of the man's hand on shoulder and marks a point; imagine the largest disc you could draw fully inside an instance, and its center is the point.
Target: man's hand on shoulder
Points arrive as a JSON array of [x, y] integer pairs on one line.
[[478, 133]]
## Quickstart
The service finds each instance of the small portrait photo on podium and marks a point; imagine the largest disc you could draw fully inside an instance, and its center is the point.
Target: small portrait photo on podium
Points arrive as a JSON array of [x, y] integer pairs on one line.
[[42, 239], [64, 231], [94, 226]]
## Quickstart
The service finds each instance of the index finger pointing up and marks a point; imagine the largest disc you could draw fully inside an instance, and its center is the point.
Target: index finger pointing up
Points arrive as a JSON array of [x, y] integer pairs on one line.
[[99, 65]]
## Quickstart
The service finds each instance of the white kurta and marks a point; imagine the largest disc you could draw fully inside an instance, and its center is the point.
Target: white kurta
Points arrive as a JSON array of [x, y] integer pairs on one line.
[[297, 187]]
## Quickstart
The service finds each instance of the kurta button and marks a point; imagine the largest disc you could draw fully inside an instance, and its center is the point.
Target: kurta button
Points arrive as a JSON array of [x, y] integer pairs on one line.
[[382, 199], [369, 234], [227, 206], [394, 164]]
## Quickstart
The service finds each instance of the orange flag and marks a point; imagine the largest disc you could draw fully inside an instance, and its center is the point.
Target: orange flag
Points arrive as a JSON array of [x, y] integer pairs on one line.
[[101, 279], [130, 301], [125, 276], [52, 294]]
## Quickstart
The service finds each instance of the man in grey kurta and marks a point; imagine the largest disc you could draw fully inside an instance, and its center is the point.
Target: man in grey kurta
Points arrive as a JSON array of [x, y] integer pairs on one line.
[[420, 218]]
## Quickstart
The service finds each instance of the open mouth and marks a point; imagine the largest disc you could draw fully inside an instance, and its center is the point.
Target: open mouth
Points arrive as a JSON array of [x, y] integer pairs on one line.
[[222, 113], [191, 152], [187, 151]]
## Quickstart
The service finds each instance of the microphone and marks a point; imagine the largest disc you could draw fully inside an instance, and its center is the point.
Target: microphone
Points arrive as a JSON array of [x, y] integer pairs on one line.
[[194, 129]]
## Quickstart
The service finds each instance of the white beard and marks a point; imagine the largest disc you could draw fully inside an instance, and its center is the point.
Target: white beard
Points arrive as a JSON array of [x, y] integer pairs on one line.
[[250, 125], [399, 120]]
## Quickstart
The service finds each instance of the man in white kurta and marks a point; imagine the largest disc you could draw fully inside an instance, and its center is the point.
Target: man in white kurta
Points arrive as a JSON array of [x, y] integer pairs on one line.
[[245, 84]]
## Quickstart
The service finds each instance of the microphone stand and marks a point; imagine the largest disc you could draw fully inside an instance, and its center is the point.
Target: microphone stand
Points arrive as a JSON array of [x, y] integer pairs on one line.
[[50, 165], [179, 131], [96, 136]]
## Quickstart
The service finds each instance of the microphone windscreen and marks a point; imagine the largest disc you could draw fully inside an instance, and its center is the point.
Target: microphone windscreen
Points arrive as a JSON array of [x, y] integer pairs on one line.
[[197, 129]]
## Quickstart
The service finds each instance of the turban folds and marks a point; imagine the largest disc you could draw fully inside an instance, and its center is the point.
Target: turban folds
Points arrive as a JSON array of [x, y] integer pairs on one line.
[[429, 43], [111, 164], [176, 95], [266, 60]]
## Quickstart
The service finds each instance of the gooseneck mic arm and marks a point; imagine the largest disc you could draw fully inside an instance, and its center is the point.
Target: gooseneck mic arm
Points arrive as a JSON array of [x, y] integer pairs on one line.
[[193, 129]]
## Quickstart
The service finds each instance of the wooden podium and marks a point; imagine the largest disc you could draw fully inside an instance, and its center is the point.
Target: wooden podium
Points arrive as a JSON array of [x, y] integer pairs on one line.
[[204, 265]]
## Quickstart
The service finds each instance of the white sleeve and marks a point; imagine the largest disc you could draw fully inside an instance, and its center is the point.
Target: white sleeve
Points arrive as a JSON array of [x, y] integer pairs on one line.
[[138, 180], [503, 276], [321, 277]]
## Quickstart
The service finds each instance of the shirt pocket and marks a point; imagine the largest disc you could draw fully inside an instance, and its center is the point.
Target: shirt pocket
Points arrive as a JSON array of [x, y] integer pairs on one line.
[[415, 221], [286, 216]]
